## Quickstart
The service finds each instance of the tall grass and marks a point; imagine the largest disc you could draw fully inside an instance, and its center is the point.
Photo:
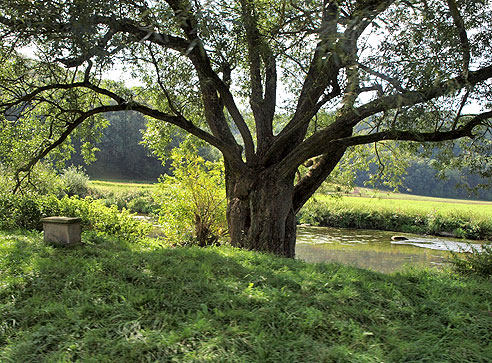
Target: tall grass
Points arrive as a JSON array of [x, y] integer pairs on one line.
[[119, 302]]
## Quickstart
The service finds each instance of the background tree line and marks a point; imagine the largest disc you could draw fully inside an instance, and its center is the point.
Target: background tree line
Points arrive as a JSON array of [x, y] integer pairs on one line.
[[122, 156]]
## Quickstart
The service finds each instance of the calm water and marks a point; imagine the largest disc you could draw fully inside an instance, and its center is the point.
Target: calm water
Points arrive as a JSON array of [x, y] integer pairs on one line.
[[373, 250]]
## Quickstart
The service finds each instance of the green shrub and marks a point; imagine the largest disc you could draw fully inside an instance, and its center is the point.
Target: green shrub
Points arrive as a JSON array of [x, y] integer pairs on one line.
[[25, 211], [75, 181], [193, 201], [477, 262]]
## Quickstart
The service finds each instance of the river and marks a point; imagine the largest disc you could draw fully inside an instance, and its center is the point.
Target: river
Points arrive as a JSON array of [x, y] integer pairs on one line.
[[374, 250]]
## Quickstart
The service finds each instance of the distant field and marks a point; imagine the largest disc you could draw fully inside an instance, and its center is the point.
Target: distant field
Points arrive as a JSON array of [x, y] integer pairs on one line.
[[413, 203], [370, 193], [115, 187]]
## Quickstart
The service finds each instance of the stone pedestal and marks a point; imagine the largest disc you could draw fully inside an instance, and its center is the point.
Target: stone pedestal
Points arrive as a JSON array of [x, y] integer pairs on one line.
[[62, 231]]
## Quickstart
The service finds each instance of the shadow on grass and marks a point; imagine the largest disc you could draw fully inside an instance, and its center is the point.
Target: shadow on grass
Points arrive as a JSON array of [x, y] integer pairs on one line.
[[114, 301]]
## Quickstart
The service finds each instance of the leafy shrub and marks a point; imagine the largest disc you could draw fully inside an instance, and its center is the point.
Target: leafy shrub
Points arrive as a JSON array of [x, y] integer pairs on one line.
[[42, 179], [193, 201], [25, 211], [475, 263], [75, 181]]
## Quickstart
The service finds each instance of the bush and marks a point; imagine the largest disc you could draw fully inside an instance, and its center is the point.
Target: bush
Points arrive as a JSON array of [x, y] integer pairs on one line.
[[25, 211], [193, 201], [75, 181], [42, 179], [477, 263]]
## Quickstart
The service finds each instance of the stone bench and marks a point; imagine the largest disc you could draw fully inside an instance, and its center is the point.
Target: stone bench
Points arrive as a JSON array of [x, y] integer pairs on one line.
[[62, 231]]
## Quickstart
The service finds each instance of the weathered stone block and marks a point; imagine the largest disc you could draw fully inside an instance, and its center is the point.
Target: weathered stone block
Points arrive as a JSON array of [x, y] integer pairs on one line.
[[62, 231]]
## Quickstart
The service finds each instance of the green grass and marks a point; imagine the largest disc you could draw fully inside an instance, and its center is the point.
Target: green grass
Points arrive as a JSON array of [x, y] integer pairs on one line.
[[111, 301], [374, 193], [413, 203], [119, 187]]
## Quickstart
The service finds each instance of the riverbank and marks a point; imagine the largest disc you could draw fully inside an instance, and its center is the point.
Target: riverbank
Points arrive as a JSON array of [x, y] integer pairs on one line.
[[471, 221], [132, 302]]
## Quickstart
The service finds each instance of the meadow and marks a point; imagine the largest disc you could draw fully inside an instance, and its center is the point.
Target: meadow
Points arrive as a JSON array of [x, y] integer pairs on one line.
[[111, 300], [120, 186]]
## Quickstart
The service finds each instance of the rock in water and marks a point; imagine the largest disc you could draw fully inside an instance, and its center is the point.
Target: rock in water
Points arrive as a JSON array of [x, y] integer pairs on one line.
[[399, 238]]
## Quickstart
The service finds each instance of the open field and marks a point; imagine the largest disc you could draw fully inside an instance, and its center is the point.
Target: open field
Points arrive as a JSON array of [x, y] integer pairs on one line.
[[113, 301], [412, 203], [118, 187], [372, 193]]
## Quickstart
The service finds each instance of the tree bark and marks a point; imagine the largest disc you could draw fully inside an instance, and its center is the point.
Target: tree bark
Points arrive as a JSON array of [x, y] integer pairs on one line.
[[260, 212]]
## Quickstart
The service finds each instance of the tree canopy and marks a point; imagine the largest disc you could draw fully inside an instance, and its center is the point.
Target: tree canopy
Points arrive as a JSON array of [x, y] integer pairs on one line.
[[382, 70]]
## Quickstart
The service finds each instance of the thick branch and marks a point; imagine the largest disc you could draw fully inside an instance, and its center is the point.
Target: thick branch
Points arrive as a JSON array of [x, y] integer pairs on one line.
[[259, 50], [318, 173], [465, 130], [85, 84], [210, 82], [409, 98], [394, 82], [311, 149], [177, 120], [464, 43]]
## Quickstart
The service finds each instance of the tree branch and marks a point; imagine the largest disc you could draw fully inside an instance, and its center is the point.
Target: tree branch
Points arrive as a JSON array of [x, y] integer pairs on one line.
[[318, 173], [71, 127], [410, 98], [464, 43], [210, 82], [306, 152], [394, 82], [259, 50], [333, 52]]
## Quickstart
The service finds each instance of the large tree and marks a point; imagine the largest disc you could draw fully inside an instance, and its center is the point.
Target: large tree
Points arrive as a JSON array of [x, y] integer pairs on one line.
[[377, 70]]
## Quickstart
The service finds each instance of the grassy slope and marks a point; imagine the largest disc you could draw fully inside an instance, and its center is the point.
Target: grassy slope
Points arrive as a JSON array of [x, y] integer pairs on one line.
[[111, 301]]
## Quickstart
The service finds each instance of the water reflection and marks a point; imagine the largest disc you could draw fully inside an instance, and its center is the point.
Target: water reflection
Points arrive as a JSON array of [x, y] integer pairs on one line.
[[372, 250]]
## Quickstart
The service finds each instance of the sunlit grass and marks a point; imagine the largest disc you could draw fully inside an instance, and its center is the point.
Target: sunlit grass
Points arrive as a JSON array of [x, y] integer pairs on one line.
[[111, 301], [117, 187], [412, 204], [374, 193]]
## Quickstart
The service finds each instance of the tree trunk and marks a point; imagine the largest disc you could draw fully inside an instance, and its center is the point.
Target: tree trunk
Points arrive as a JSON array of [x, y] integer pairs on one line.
[[260, 213]]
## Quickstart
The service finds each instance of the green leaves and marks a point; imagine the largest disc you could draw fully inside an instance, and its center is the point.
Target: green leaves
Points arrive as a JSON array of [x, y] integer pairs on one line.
[[193, 200]]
